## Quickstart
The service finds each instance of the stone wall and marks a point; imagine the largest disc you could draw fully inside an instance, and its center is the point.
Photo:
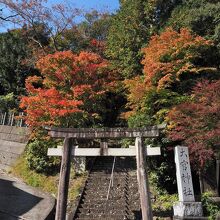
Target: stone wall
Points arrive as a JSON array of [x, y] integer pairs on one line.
[[12, 143]]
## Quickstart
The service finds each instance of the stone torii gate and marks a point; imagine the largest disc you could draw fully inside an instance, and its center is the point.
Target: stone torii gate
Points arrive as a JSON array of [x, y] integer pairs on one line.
[[140, 151]]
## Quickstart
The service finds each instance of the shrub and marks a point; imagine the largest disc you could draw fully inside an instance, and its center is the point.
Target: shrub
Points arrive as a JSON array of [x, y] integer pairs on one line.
[[37, 158], [163, 204], [211, 208]]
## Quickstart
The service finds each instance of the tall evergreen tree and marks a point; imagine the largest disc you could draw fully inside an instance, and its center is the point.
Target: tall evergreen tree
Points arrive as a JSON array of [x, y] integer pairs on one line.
[[127, 34], [201, 16], [12, 51], [131, 29], [13, 68]]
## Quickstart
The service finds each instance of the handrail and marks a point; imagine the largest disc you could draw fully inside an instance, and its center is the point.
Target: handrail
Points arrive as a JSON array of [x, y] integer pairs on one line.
[[10, 119], [111, 178]]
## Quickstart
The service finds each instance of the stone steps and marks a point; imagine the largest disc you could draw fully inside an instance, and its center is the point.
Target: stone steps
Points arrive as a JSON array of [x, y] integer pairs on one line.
[[123, 201], [100, 218], [118, 210], [103, 206], [100, 215]]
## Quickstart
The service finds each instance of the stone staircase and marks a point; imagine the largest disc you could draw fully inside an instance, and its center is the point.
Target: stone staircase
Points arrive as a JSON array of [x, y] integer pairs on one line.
[[123, 200]]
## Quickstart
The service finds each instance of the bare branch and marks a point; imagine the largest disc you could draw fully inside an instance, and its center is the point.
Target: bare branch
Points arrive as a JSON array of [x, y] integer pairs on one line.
[[8, 17], [56, 18]]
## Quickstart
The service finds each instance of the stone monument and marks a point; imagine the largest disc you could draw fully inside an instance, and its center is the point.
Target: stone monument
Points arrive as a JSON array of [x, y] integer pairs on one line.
[[186, 207]]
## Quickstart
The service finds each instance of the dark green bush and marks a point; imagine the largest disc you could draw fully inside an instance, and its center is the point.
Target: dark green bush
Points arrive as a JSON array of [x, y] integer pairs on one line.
[[37, 158], [211, 208]]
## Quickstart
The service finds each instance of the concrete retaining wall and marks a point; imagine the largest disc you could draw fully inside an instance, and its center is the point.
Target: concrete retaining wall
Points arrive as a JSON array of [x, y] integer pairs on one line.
[[17, 200], [12, 144], [14, 134]]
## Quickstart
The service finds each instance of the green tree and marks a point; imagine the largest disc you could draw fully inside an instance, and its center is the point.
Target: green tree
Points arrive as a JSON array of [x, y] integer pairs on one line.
[[96, 25], [7, 102], [127, 34], [201, 16], [131, 29], [13, 69], [88, 35]]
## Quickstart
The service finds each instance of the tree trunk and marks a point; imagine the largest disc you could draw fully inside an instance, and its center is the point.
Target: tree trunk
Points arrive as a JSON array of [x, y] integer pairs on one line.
[[201, 184]]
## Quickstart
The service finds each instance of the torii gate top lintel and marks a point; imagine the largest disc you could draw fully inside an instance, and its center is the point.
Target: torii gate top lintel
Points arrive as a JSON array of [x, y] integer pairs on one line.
[[89, 133]]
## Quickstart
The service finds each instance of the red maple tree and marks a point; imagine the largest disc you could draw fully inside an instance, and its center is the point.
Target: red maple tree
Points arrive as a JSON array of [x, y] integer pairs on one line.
[[196, 123], [70, 88]]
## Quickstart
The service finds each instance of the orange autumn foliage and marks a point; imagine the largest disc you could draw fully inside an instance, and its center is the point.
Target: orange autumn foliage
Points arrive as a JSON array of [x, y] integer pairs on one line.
[[169, 59], [136, 93], [169, 55], [70, 83]]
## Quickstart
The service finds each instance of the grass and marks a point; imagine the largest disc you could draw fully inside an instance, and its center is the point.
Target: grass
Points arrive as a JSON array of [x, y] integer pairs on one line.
[[163, 205], [46, 183]]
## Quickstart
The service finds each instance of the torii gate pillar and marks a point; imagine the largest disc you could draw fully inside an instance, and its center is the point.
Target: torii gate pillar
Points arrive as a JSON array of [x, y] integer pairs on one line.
[[63, 187], [143, 182]]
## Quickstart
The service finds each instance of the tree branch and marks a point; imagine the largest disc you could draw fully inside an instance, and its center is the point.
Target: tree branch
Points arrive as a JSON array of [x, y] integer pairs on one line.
[[8, 17]]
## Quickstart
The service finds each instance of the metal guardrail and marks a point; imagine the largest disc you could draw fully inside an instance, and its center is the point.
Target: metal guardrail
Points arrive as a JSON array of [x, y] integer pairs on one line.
[[12, 119]]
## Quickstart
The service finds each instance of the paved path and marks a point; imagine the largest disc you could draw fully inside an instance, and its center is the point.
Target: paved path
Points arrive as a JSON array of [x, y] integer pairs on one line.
[[19, 201]]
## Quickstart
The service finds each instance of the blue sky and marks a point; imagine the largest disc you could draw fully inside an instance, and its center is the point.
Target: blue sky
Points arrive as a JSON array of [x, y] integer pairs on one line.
[[110, 5], [102, 5]]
